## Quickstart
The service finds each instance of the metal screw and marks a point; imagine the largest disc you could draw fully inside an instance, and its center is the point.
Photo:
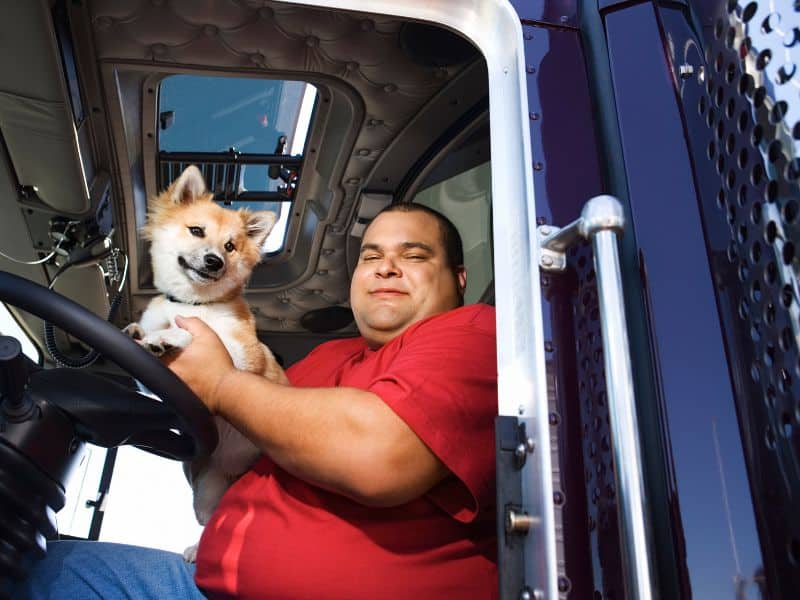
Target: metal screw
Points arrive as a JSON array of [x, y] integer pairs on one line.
[[520, 451], [547, 261], [686, 71], [519, 523], [544, 230]]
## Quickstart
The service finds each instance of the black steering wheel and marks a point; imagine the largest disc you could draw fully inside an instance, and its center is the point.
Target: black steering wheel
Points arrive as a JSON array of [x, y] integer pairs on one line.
[[106, 413]]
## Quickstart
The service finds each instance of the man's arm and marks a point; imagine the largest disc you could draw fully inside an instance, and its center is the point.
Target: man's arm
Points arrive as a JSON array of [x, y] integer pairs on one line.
[[344, 440]]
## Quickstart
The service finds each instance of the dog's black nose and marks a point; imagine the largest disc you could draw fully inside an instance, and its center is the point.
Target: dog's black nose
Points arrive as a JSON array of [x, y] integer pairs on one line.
[[213, 262]]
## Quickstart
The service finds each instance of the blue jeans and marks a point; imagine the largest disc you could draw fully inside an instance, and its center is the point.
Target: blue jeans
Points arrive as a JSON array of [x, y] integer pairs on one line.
[[98, 570]]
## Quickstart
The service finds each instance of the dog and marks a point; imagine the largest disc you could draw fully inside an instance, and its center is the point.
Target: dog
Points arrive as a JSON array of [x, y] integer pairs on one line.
[[202, 256]]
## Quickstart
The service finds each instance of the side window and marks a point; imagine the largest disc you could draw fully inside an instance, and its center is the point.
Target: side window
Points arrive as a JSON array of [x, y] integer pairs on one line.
[[460, 187], [9, 326]]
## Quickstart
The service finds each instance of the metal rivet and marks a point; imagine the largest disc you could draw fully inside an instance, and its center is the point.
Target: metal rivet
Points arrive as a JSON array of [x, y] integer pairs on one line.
[[352, 66], [538, 166], [390, 88], [354, 181], [686, 71], [564, 18], [544, 230], [548, 346], [534, 116], [363, 152], [521, 409], [530, 70], [520, 451], [527, 36], [312, 41], [547, 261]]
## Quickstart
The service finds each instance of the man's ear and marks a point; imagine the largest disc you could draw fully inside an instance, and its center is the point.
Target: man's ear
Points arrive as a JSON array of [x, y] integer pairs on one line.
[[188, 187], [461, 279], [259, 224]]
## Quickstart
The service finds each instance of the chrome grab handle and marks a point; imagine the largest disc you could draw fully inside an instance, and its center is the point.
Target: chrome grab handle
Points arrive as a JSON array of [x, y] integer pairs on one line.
[[601, 221]]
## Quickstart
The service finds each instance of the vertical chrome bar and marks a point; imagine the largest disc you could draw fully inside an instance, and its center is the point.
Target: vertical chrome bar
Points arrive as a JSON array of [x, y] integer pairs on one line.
[[602, 219]]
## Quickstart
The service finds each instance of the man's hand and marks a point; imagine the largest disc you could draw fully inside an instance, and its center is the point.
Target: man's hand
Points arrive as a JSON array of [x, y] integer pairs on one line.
[[203, 364]]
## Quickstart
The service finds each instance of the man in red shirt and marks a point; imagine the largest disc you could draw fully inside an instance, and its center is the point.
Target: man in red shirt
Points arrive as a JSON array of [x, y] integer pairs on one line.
[[378, 470]]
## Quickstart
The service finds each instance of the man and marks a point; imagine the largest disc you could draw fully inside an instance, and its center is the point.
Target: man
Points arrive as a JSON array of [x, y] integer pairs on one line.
[[378, 470]]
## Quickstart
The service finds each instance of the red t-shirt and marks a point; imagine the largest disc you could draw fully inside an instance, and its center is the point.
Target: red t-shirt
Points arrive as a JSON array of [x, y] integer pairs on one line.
[[275, 536]]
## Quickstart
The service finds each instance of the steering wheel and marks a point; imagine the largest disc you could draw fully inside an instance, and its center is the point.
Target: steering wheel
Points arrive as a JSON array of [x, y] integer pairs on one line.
[[106, 413]]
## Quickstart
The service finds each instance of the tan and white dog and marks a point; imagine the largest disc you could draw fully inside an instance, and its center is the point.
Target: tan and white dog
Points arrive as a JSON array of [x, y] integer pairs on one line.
[[202, 256]]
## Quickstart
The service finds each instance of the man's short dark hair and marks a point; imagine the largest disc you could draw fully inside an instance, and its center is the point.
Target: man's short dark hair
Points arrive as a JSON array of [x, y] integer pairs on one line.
[[451, 239]]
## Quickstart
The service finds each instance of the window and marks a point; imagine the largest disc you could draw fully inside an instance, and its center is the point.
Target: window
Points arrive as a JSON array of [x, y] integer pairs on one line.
[[247, 136], [9, 326], [460, 187]]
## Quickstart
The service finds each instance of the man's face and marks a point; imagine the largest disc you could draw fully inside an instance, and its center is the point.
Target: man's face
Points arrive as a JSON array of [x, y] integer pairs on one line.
[[402, 276]]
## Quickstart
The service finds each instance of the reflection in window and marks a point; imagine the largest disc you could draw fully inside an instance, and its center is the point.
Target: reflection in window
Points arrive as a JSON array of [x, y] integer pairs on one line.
[[246, 135]]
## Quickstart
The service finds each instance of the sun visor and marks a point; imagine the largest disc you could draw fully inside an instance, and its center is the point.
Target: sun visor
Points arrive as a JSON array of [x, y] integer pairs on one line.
[[35, 114]]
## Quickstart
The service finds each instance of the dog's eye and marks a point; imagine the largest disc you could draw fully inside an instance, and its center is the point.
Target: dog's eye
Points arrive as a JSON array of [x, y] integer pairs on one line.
[[229, 247], [197, 232]]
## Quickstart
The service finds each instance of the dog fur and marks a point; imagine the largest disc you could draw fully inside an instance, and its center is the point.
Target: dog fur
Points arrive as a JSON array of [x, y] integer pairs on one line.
[[202, 257]]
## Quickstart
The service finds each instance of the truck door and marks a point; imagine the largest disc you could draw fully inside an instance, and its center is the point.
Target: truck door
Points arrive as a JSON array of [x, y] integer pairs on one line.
[[685, 112]]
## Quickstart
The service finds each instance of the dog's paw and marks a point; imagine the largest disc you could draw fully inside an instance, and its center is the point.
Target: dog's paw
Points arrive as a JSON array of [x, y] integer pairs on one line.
[[190, 554], [134, 331], [162, 342], [157, 349]]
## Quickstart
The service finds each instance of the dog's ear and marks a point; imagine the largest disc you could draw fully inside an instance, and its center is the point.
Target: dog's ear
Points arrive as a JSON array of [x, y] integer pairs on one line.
[[188, 187], [259, 224]]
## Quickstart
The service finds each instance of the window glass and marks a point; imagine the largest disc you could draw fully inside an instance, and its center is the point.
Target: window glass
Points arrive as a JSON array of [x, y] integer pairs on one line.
[[466, 199], [460, 187], [9, 326], [246, 126]]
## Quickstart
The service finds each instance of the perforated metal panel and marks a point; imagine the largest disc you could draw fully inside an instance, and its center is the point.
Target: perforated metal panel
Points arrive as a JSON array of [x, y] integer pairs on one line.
[[742, 111], [596, 432]]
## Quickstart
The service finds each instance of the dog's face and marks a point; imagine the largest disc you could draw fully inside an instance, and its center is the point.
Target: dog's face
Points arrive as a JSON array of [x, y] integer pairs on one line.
[[200, 251]]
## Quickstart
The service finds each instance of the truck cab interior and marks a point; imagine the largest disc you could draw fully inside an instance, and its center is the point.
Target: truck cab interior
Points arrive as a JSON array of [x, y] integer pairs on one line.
[[505, 117]]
